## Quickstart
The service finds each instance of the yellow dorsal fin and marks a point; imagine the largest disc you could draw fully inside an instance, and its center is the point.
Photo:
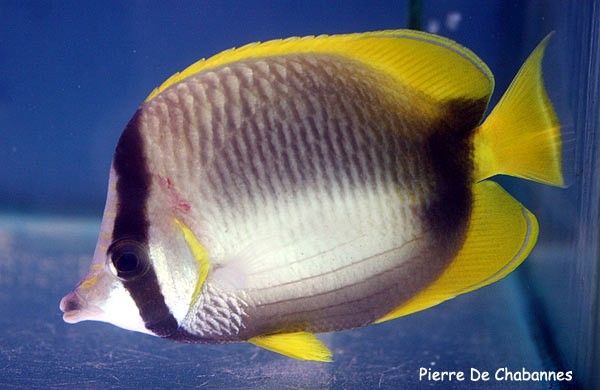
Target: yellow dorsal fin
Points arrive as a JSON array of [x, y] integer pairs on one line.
[[297, 345], [500, 236], [199, 253], [439, 67]]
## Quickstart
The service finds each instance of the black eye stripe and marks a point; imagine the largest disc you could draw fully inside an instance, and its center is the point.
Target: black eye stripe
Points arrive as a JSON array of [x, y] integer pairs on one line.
[[133, 182], [129, 259]]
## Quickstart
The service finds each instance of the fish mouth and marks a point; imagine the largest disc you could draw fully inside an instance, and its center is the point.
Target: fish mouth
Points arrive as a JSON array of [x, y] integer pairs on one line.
[[73, 317], [76, 309]]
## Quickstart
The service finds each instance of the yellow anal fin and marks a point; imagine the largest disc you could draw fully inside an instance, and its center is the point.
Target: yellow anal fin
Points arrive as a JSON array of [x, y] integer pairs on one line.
[[433, 65], [297, 345], [199, 253], [501, 234]]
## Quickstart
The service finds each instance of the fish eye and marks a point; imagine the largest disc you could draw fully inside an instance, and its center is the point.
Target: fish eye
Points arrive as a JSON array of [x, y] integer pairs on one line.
[[128, 259]]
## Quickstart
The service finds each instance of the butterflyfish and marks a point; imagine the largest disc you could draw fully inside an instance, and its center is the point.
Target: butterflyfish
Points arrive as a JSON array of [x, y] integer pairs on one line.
[[307, 185]]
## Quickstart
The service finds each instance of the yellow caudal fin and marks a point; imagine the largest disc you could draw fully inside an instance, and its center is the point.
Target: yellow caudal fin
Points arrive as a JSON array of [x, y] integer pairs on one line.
[[521, 137], [297, 345], [501, 234], [438, 67]]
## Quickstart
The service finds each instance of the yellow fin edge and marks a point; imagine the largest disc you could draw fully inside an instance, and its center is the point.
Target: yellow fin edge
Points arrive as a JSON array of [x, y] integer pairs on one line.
[[435, 65], [522, 137], [501, 234], [296, 345], [199, 253]]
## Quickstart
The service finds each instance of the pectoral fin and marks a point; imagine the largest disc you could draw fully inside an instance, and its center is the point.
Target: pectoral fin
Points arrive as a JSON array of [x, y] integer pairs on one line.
[[297, 345], [500, 236]]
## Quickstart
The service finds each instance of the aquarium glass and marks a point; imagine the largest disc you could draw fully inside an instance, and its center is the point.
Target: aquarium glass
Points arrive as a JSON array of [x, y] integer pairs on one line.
[[73, 73]]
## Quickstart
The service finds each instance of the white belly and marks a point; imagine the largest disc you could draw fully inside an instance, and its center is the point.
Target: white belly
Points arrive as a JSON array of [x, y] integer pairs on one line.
[[312, 253]]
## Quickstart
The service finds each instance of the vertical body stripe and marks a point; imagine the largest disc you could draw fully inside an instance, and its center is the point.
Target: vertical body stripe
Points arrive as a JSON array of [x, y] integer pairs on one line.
[[133, 181]]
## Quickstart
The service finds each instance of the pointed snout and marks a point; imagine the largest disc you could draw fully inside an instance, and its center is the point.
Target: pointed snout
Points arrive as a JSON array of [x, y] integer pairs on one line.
[[70, 302], [76, 309]]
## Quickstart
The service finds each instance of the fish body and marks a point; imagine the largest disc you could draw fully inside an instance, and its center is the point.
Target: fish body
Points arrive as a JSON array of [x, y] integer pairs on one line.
[[304, 186]]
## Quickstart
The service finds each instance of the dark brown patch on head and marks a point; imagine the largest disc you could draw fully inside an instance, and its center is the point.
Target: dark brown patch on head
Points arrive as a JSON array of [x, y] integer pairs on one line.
[[450, 152], [133, 181]]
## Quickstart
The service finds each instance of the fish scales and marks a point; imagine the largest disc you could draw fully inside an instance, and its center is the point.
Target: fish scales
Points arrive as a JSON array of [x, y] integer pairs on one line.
[[316, 184], [327, 147]]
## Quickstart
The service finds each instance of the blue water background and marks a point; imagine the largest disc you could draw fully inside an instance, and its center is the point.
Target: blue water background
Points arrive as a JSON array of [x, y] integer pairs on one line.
[[74, 72], [71, 75]]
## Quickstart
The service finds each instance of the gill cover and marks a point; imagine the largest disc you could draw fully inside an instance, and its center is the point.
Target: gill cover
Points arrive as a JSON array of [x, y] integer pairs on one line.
[[200, 255]]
